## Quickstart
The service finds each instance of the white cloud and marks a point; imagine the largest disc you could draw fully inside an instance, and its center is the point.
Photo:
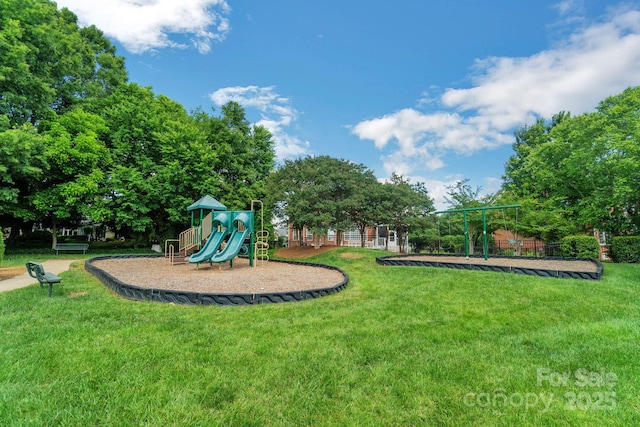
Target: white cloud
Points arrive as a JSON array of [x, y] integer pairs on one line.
[[592, 63], [142, 25], [276, 114], [438, 189], [491, 185], [565, 7]]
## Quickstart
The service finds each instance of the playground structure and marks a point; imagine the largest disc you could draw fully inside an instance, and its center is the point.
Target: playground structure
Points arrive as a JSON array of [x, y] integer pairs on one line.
[[217, 235], [484, 209]]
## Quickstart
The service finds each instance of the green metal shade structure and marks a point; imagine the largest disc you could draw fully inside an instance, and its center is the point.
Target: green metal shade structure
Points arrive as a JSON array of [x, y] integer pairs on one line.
[[207, 202], [484, 209]]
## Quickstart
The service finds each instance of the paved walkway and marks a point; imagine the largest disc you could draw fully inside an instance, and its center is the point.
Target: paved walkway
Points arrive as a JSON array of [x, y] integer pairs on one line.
[[55, 266]]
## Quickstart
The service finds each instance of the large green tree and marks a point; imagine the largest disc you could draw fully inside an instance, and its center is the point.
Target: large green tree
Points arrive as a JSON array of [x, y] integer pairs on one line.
[[540, 218], [48, 63], [368, 209], [586, 167], [79, 142], [404, 206], [321, 193], [244, 155], [159, 164], [73, 151], [49, 69], [163, 159], [23, 161]]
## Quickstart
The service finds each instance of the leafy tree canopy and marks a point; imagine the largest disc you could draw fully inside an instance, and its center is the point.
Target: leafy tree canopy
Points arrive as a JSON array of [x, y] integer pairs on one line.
[[585, 168], [318, 192], [23, 162], [48, 63], [405, 206]]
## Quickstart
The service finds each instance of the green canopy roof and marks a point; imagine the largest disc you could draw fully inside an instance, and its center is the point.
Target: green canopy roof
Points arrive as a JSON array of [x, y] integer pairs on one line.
[[207, 202]]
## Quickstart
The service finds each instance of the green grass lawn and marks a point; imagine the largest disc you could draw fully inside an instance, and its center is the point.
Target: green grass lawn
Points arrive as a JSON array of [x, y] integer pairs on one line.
[[400, 346]]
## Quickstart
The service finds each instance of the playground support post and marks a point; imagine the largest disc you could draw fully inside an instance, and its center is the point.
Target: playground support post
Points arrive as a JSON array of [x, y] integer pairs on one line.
[[484, 209], [466, 235], [485, 241], [252, 249]]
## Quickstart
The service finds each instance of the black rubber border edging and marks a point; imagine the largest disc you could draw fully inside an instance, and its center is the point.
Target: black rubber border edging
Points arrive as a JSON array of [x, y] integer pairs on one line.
[[398, 260], [196, 298]]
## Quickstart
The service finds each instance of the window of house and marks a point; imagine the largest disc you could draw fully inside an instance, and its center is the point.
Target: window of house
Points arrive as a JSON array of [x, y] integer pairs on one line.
[[392, 236], [331, 235], [296, 235], [351, 235], [602, 237]]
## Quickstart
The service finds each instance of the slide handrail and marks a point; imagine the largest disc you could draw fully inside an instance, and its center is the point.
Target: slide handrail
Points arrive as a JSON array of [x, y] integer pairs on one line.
[[189, 238]]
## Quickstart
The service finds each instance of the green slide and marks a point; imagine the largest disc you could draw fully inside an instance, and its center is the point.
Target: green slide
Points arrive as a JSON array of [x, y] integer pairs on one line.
[[215, 239], [236, 240]]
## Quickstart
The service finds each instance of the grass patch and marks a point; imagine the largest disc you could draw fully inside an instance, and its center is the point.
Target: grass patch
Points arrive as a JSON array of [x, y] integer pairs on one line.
[[400, 346]]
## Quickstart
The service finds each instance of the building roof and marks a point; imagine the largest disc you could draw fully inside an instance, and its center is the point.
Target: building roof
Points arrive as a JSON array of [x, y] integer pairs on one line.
[[207, 202]]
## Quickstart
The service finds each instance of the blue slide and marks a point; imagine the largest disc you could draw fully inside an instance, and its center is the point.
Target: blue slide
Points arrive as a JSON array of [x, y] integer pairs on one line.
[[215, 239], [235, 241]]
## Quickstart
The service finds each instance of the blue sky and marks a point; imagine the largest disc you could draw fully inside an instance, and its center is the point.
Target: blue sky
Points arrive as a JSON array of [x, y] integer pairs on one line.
[[431, 90]]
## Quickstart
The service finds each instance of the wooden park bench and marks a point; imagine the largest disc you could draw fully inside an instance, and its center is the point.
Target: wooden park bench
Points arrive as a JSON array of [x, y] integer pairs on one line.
[[37, 272], [72, 247]]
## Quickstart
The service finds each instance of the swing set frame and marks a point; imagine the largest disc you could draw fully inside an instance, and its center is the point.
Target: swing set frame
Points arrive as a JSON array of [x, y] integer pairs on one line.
[[484, 209]]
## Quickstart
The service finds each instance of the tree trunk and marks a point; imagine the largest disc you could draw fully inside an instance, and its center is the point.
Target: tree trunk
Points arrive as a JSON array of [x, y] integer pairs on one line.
[[16, 228], [54, 235], [386, 240], [471, 239]]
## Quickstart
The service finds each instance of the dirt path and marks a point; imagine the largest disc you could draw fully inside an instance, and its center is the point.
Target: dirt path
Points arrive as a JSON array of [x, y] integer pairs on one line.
[[55, 266], [9, 272]]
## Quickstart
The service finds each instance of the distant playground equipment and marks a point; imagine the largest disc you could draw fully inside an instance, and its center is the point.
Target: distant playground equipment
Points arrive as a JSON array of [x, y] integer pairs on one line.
[[217, 235], [262, 237], [485, 244]]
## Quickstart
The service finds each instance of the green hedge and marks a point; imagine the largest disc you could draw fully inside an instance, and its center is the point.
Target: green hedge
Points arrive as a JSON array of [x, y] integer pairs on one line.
[[580, 247], [625, 248], [38, 239]]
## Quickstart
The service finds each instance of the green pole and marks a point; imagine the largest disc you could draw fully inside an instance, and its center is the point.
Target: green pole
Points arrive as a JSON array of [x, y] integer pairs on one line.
[[466, 235], [485, 245], [484, 224]]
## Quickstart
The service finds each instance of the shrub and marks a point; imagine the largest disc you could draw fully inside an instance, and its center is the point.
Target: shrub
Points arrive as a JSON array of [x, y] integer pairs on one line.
[[580, 247], [625, 248], [453, 244], [114, 244], [38, 239], [72, 239]]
